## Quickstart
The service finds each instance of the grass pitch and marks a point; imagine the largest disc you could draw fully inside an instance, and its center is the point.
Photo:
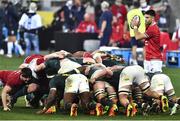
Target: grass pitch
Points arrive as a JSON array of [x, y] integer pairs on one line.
[[19, 112]]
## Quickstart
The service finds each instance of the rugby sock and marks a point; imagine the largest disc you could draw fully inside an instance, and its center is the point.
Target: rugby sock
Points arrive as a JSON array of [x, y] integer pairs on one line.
[[50, 101], [48, 105], [105, 102], [91, 106], [171, 104], [20, 93], [154, 107], [139, 104], [160, 97], [178, 101], [68, 106]]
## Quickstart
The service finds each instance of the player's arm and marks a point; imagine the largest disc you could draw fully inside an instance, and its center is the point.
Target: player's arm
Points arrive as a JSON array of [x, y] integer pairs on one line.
[[52, 55], [116, 68], [97, 57], [59, 54], [40, 67], [4, 93], [103, 73], [103, 26], [138, 35], [23, 65]]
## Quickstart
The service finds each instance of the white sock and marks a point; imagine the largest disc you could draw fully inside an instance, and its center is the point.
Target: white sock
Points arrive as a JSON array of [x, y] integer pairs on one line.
[[9, 47]]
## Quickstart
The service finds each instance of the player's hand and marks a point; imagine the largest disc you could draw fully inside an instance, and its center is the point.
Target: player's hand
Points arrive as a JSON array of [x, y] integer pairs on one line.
[[92, 80], [109, 72], [135, 22], [100, 35], [6, 109]]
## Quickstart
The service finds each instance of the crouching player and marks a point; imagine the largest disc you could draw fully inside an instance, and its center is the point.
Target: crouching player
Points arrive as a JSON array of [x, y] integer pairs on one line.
[[98, 74], [14, 81], [39, 78], [77, 84], [128, 76], [162, 84]]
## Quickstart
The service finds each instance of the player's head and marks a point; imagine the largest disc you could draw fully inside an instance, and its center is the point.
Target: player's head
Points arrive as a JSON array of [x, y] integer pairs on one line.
[[104, 6], [32, 7], [69, 3], [52, 66], [118, 2], [149, 16], [143, 3], [87, 17], [26, 74], [136, 4]]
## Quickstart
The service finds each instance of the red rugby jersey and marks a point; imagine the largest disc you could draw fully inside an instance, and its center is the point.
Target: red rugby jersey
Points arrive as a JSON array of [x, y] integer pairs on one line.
[[152, 43], [11, 78], [34, 56]]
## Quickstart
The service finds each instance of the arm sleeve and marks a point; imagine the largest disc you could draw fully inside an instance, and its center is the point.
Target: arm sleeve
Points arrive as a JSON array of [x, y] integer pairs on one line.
[[22, 20], [39, 21]]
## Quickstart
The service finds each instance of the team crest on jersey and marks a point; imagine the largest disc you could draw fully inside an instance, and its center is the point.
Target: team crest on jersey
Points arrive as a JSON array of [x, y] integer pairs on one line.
[[68, 83], [125, 77]]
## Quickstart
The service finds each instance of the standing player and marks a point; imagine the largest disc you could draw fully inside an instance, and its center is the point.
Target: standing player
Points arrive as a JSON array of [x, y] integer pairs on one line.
[[153, 57], [135, 13], [96, 73], [105, 24]]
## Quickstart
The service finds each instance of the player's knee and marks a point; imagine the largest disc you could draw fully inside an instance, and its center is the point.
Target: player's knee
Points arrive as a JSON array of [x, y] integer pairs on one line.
[[145, 86], [112, 95], [99, 93]]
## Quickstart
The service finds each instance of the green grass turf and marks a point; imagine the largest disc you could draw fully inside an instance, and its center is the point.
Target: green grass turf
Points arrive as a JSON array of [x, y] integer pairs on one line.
[[19, 112]]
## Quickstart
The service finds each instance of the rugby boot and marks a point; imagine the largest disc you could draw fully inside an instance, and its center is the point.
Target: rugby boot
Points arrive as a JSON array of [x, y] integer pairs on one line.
[[113, 110], [51, 110], [129, 110], [145, 109], [134, 109], [164, 103], [99, 109]]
